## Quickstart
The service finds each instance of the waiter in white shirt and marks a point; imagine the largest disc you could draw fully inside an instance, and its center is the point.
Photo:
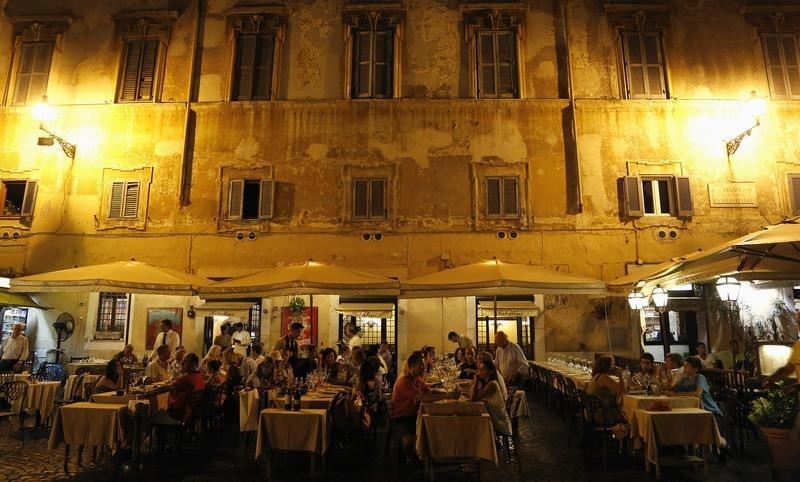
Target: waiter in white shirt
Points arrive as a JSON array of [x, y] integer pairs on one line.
[[241, 339], [511, 361], [166, 337], [15, 350]]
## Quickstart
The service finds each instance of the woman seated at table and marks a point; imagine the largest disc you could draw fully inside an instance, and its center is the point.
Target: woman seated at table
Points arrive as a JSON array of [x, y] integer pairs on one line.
[[485, 388], [368, 398], [607, 389], [429, 353], [284, 373], [233, 374], [358, 358], [670, 373], [485, 355], [214, 353], [214, 373], [469, 366], [113, 378], [264, 375], [458, 356]]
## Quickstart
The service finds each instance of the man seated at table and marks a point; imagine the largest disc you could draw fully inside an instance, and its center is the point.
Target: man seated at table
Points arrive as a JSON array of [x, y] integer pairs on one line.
[[193, 381], [158, 369], [695, 384], [409, 392], [511, 361], [647, 374], [469, 367], [176, 363], [126, 356]]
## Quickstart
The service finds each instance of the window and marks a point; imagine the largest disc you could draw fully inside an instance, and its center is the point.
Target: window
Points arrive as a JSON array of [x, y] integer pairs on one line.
[[250, 198], [782, 59], [373, 36], [369, 199], [18, 198], [644, 65], [502, 199], [656, 196], [112, 316], [125, 194], [124, 200], [794, 192], [145, 36], [257, 34], [33, 72], [494, 43]]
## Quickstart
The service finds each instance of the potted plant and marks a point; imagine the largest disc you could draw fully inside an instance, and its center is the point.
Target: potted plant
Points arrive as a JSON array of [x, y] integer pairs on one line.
[[775, 415], [297, 305]]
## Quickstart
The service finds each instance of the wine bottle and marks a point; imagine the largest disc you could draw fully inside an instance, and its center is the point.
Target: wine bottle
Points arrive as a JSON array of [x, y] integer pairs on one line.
[[287, 401], [296, 399]]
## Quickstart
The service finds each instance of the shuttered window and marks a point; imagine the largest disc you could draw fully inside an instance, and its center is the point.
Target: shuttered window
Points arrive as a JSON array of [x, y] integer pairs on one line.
[[782, 58], [255, 54], [124, 203], [794, 192], [496, 61], [502, 197], [250, 198], [644, 65], [656, 196], [373, 64], [33, 72], [18, 198], [139, 70], [369, 199], [112, 316]]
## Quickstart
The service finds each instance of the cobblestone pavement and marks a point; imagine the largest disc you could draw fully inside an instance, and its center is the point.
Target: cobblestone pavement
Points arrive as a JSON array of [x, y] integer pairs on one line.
[[543, 452]]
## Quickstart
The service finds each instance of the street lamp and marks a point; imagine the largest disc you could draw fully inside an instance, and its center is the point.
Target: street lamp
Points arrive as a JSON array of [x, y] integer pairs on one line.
[[660, 298], [754, 108], [728, 291], [637, 300], [44, 112]]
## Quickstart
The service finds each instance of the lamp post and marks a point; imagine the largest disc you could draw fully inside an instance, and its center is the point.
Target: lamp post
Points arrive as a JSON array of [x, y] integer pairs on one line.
[[44, 112], [660, 298], [637, 301], [728, 290]]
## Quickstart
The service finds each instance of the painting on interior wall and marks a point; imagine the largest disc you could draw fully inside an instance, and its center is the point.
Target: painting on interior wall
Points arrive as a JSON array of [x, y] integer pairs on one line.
[[309, 321], [154, 317]]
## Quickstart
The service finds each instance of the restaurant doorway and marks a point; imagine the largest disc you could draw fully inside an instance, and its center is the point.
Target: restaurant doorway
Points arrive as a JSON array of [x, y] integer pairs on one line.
[[377, 318], [215, 313], [515, 316], [672, 332]]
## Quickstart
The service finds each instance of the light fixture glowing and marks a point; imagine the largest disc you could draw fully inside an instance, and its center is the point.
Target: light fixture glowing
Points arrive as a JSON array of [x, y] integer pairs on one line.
[[660, 298], [728, 289], [637, 300]]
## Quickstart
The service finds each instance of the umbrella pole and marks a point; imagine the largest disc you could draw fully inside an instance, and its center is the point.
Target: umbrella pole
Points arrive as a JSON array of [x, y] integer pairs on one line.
[[494, 304]]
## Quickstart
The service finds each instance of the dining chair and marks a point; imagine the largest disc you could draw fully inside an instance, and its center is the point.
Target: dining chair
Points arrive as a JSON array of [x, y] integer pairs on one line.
[[10, 392], [596, 423]]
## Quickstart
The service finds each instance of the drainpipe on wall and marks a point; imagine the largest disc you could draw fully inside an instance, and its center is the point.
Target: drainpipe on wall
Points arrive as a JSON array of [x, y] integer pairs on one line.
[[189, 122], [569, 128]]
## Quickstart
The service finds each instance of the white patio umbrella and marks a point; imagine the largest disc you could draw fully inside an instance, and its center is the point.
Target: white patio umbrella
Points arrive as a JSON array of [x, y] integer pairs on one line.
[[495, 278], [119, 277], [309, 278]]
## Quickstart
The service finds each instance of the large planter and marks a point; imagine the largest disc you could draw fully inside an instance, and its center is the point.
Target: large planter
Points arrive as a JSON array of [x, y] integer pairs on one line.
[[785, 451]]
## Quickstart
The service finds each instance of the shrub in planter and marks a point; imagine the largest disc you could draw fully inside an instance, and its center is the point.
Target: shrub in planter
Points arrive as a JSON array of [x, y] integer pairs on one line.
[[775, 415]]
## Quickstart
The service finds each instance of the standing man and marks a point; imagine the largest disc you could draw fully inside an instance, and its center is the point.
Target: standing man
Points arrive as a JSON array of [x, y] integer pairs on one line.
[[249, 363], [463, 341], [223, 340], [511, 362], [707, 359], [15, 350], [166, 337], [241, 339], [290, 343]]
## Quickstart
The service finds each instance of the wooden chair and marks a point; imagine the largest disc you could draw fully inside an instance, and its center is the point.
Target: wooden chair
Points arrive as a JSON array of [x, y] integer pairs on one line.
[[6, 377]]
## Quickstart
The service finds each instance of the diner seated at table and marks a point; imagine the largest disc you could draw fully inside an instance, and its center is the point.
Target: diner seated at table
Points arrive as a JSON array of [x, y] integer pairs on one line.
[[214, 353], [410, 390], [213, 373], [284, 373], [469, 366], [707, 359], [126, 356], [647, 375], [458, 356], [112, 379], [606, 389], [233, 374], [176, 362], [486, 388], [158, 368], [358, 359], [344, 353], [671, 372], [696, 384], [248, 364], [192, 381], [487, 355], [429, 354], [264, 376], [368, 398]]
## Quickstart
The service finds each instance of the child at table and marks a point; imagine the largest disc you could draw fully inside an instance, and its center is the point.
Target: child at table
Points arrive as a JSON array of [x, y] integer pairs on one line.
[[695, 383]]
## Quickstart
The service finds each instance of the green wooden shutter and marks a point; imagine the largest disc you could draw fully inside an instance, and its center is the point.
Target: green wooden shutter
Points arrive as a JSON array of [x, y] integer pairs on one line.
[[382, 70], [634, 65], [493, 201], [377, 208], [506, 81], [235, 198], [29, 199], [115, 205], [510, 196], [487, 79], [245, 58], [262, 79], [683, 200], [360, 198], [131, 203], [266, 198]]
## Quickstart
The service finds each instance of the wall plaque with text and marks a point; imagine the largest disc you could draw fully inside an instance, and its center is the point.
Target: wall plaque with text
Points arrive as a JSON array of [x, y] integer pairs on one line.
[[732, 195]]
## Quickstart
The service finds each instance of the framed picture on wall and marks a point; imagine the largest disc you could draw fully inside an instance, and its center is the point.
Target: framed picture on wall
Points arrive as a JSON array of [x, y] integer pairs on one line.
[[309, 320], [154, 317]]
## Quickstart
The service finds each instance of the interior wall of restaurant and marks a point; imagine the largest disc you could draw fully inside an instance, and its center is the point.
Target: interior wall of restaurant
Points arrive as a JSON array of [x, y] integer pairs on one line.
[[427, 321]]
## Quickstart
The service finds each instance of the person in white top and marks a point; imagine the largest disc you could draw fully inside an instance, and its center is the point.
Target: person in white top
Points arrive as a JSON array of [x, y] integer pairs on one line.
[[511, 362], [249, 363], [463, 341], [241, 339], [166, 337], [15, 350], [351, 332], [158, 369], [707, 359]]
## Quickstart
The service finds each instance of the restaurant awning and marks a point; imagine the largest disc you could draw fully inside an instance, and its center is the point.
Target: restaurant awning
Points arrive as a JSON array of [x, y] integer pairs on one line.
[[366, 310], [19, 299], [496, 278]]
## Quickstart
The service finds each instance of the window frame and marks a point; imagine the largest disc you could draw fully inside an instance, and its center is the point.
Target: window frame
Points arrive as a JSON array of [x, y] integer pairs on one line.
[[369, 215], [256, 21], [632, 202], [131, 190], [232, 191], [28, 202], [103, 315], [502, 214], [504, 18], [143, 177], [793, 181], [386, 18], [792, 94], [143, 26], [645, 64]]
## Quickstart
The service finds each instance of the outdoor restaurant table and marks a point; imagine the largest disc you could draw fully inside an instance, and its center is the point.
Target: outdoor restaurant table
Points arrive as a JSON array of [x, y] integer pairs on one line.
[[249, 404], [305, 430], [680, 426], [157, 402], [633, 403], [581, 378], [72, 379], [95, 368], [455, 438], [88, 424], [316, 400], [452, 407], [39, 398]]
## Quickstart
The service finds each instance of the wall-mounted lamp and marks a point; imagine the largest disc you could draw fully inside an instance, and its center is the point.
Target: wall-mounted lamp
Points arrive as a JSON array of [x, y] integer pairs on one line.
[[44, 112], [637, 300], [754, 108]]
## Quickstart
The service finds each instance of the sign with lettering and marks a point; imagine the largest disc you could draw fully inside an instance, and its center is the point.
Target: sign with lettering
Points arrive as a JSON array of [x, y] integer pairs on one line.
[[732, 195]]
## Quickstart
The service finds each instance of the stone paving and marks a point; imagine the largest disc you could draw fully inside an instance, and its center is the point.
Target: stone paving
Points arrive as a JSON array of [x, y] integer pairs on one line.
[[543, 451]]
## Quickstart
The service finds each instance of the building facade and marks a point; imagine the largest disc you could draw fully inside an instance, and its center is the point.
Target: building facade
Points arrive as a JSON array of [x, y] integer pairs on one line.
[[219, 137]]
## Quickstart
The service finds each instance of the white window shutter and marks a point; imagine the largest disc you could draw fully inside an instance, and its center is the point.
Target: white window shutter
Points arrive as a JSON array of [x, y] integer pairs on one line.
[[632, 202], [117, 199], [683, 198], [235, 198], [29, 199], [266, 198]]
